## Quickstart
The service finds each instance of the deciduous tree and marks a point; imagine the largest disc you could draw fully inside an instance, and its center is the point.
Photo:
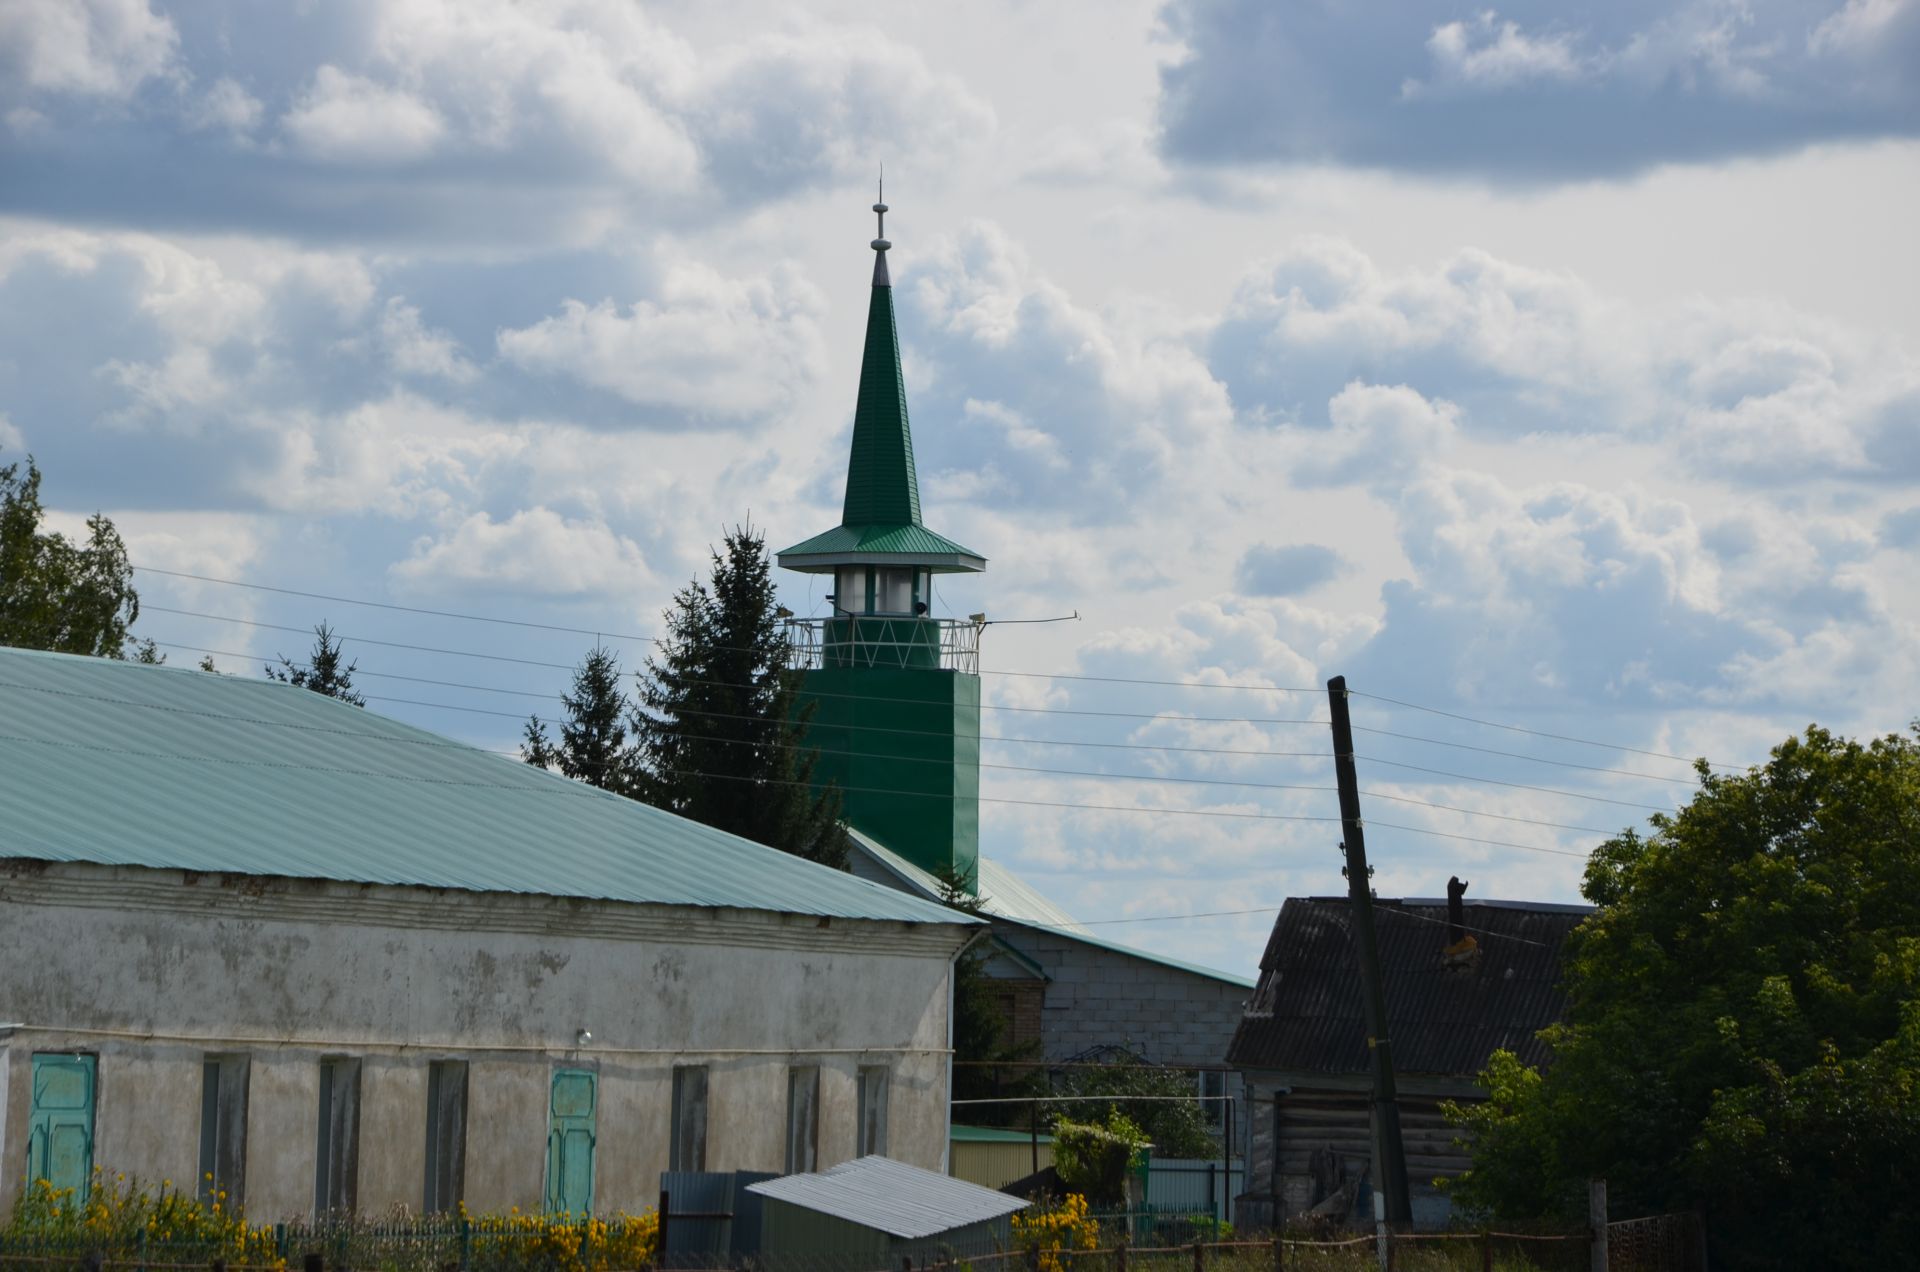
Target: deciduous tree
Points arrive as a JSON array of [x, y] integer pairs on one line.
[[59, 594], [1744, 1021]]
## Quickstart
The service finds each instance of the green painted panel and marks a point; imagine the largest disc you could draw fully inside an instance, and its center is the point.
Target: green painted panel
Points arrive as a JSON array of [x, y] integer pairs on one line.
[[904, 747], [570, 1142], [60, 1125]]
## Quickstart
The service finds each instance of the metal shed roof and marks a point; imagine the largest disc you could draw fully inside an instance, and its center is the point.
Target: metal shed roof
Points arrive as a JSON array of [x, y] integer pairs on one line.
[[1306, 1013], [124, 764], [893, 1197]]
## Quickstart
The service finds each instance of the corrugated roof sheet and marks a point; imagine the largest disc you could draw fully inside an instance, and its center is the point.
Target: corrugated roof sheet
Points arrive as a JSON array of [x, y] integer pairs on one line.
[[878, 1192], [1306, 1012], [1009, 897], [911, 544], [125, 764]]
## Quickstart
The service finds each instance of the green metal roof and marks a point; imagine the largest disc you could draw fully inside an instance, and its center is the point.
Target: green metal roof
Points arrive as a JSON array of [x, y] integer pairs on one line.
[[882, 487], [124, 764], [1008, 897], [903, 545], [992, 1135]]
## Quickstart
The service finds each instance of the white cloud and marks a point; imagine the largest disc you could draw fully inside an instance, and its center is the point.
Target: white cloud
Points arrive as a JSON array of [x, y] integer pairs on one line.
[[227, 105], [413, 349], [534, 551], [96, 48], [350, 118], [1380, 434], [1488, 53], [708, 348]]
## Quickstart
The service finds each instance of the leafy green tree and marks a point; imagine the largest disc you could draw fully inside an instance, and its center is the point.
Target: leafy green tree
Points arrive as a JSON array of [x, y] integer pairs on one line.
[[1744, 1021], [1161, 1099], [717, 736], [593, 745], [57, 594], [326, 670]]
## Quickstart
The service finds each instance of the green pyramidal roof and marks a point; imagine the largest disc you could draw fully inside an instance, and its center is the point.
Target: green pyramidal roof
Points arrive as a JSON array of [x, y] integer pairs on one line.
[[880, 520], [882, 488]]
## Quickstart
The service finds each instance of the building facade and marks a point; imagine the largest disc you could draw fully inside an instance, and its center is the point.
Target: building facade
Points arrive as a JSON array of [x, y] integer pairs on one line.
[[340, 964]]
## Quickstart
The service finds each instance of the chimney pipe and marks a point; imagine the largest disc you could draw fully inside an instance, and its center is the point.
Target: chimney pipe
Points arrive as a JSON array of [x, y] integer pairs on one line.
[[1456, 911]]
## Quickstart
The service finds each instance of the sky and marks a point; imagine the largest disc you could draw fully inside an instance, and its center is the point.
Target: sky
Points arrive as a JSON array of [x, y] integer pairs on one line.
[[1550, 372]]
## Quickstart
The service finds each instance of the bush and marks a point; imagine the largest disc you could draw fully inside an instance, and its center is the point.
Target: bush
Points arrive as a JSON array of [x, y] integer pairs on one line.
[[1065, 1225]]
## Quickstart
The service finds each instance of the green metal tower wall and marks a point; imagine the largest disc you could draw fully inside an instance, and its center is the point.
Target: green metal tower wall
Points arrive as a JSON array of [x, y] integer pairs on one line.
[[904, 746]]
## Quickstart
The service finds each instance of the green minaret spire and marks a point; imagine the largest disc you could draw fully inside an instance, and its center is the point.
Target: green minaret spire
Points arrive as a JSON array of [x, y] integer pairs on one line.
[[882, 488], [880, 518]]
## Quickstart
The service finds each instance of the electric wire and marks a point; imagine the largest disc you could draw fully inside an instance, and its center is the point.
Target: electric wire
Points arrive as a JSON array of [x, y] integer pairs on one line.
[[1539, 733], [1073, 806], [1523, 786], [655, 640], [1522, 755]]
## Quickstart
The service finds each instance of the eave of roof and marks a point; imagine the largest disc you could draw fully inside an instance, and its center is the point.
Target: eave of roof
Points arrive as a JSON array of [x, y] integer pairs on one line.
[[912, 545]]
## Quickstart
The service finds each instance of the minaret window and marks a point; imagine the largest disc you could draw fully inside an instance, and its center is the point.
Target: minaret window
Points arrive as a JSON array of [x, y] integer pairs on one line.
[[892, 590], [850, 589]]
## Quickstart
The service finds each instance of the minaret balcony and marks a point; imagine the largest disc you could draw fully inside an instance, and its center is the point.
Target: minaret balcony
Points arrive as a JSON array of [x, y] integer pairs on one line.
[[895, 642]]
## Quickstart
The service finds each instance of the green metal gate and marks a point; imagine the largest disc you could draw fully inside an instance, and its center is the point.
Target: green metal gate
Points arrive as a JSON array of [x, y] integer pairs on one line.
[[60, 1130], [570, 1141]]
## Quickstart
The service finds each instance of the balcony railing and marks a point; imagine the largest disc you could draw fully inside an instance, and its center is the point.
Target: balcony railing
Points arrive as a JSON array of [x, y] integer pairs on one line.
[[922, 644]]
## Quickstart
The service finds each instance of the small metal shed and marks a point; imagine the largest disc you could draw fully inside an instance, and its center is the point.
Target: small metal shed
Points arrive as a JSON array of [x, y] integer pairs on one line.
[[874, 1211]]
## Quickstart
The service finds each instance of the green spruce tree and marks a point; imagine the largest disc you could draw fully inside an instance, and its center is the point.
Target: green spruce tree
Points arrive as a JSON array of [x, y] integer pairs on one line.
[[716, 734], [326, 670], [593, 746]]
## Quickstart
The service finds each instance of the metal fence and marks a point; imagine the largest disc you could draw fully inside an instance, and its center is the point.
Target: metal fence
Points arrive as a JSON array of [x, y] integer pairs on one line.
[[1195, 1185], [868, 641], [1657, 1243]]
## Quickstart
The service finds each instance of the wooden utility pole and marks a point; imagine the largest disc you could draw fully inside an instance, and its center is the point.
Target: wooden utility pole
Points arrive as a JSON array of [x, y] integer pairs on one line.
[[1389, 1154]]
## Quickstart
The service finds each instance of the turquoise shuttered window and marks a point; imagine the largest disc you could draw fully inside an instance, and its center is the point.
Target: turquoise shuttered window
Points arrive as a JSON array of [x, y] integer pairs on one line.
[[570, 1140], [60, 1129]]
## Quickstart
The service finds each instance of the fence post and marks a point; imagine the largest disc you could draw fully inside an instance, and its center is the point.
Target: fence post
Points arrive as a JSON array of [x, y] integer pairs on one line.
[[1381, 1236], [1486, 1252], [660, 1253], [1597, 1220], [1120, 1255], [1279, 1254], [466, 1242], [1199, 1257]]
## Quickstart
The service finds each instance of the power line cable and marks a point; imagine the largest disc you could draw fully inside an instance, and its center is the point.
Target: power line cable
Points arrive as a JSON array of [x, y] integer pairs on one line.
[[655, 640], [1521, 755], [1522, 786], [1403, 799], [1539, 733], [1241, 752]]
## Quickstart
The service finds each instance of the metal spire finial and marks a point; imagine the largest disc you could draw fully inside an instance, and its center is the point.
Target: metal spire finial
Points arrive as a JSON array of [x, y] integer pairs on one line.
[[880, 244]]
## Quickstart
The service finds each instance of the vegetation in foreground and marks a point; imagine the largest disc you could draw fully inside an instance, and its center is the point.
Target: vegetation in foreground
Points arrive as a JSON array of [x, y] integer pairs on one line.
[[1744, 1021]]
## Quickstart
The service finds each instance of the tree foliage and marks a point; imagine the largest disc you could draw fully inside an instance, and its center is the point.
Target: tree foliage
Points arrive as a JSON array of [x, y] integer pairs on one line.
[[1093, 1158], [593, 746], [1163, 1100], [58, 594], [1744, 1023], [326, 670], [716, 734]]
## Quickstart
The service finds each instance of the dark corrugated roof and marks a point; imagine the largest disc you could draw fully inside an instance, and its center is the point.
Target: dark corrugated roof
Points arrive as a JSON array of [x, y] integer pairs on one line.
[[1306, 1013]]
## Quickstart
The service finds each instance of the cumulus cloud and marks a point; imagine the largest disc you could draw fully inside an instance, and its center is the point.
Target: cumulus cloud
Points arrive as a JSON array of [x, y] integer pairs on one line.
[[87, 48], [708, 348], [1521, 92], [414, 349], [1379, 434], [535, 550], [1019, 387], [1287, 569], [1756, 392], [573, 116], [350, 118]]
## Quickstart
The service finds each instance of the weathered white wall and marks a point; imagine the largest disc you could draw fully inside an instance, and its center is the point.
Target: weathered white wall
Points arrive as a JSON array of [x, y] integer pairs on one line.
[[154, 970]]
